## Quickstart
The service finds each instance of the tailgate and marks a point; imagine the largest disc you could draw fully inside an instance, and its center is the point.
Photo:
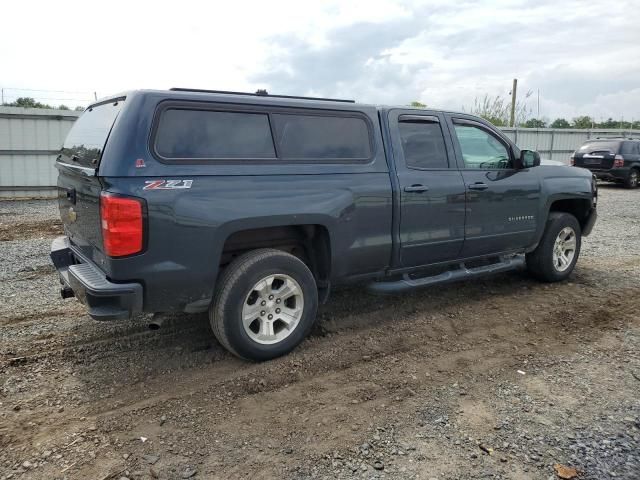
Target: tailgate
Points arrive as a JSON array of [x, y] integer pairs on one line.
[[78, 185]]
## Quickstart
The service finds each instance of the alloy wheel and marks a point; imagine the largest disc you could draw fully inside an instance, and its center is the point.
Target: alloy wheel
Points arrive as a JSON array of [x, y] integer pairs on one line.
[[272, 309], [564, 249]]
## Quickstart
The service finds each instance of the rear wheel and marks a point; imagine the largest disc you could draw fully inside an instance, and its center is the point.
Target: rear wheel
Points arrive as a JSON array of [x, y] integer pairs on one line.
[[557, 253], [632, 179], [265, 304]]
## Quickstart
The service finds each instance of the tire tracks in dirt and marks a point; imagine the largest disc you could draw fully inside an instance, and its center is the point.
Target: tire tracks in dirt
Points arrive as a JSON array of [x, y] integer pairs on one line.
[[368, 360]]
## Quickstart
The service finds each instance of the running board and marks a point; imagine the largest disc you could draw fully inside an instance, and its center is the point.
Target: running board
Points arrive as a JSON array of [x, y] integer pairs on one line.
[[462, 273]]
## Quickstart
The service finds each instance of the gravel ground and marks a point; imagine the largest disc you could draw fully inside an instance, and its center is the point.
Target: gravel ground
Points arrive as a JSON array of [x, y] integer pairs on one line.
[[25, 271], [502, 378], [617, 232], [28, 210]]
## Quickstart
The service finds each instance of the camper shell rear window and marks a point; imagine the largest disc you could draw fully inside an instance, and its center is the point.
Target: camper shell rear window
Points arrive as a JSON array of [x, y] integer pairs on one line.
[[86, 139]]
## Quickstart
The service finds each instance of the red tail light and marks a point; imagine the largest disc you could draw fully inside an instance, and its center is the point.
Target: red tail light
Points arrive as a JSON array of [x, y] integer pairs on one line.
[[618, 161], [122, 225]]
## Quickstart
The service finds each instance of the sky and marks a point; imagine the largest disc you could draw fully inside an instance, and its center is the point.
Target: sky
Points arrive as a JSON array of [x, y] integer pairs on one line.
[[577, 57]]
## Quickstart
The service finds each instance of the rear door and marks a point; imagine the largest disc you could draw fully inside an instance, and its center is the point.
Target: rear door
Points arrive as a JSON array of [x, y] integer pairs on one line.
[[502, 202], [78, 186], [431, 188]]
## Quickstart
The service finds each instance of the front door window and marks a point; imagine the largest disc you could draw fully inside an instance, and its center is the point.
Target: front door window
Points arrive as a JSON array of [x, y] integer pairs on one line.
[[482, 150]]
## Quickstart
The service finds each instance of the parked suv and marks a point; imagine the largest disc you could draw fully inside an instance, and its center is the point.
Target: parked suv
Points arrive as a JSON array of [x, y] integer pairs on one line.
[[611, 159], [252, 207]]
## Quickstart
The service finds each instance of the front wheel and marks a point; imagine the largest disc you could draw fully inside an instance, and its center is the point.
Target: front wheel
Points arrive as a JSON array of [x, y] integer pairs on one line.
[[557, 253], [265, 304]]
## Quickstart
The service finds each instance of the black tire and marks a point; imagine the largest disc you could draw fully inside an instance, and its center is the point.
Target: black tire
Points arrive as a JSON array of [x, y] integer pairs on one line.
[[540, 262], [632, 179], [237, 282]]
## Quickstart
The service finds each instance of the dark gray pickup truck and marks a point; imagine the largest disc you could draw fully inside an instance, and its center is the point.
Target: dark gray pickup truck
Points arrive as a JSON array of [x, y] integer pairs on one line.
[[252, 206]]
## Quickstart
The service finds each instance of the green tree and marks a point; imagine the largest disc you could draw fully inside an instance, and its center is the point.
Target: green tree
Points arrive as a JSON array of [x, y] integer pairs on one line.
[[560, 123], [608, 123], [417, 104], [534, 123], [27, 102], [497, 110], [584, 121], [492, 109]]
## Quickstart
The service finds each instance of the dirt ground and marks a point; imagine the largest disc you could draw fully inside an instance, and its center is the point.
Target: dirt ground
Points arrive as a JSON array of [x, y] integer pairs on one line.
[[501, 378]]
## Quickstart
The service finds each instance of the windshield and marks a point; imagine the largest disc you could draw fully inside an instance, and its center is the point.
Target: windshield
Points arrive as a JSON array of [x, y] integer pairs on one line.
[[88, 135]]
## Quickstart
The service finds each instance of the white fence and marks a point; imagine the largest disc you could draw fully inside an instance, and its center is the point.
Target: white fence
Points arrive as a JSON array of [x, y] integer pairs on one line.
[[29, 142], [30, 139]]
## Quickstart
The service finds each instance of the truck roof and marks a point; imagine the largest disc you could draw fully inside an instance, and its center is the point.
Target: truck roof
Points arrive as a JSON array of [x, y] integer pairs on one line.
[[265, 98]]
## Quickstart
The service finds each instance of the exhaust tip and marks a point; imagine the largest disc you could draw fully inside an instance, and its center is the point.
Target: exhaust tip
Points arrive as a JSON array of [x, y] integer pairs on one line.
[[156, 322]]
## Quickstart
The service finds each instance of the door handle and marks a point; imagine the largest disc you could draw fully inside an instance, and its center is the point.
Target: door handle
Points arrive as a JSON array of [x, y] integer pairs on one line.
[[417, 188], [478, 186]]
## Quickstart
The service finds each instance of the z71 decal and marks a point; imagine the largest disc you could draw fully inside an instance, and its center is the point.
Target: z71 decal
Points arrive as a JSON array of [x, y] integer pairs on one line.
[[167, 184]]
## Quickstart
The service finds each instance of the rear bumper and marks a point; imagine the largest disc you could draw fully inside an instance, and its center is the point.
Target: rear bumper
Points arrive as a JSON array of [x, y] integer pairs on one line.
[[612, 175], [104, 299]]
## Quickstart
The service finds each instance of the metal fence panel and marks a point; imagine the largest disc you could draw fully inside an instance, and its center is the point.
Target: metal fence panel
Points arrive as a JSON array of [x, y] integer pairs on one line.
[[29, 141]]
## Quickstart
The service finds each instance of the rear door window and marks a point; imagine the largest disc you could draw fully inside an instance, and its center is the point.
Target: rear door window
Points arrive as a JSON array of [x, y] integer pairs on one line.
[[319, 137], [86, 139], [207, 134], [423, 144]]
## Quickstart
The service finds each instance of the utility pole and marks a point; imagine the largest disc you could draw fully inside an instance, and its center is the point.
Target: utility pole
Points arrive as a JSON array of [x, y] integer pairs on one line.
[[95, 96], [2, 97], [513, 102]]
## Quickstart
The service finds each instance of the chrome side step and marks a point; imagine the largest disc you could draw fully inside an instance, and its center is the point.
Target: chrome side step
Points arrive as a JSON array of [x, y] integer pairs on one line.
[[407, 283]]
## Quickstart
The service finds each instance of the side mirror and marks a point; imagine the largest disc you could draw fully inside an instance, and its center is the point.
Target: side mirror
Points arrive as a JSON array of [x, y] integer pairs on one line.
[[529, 158]]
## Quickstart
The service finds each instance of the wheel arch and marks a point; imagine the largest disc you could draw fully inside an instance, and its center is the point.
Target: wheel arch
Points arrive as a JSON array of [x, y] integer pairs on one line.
[[578, 207], [310, 242]]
